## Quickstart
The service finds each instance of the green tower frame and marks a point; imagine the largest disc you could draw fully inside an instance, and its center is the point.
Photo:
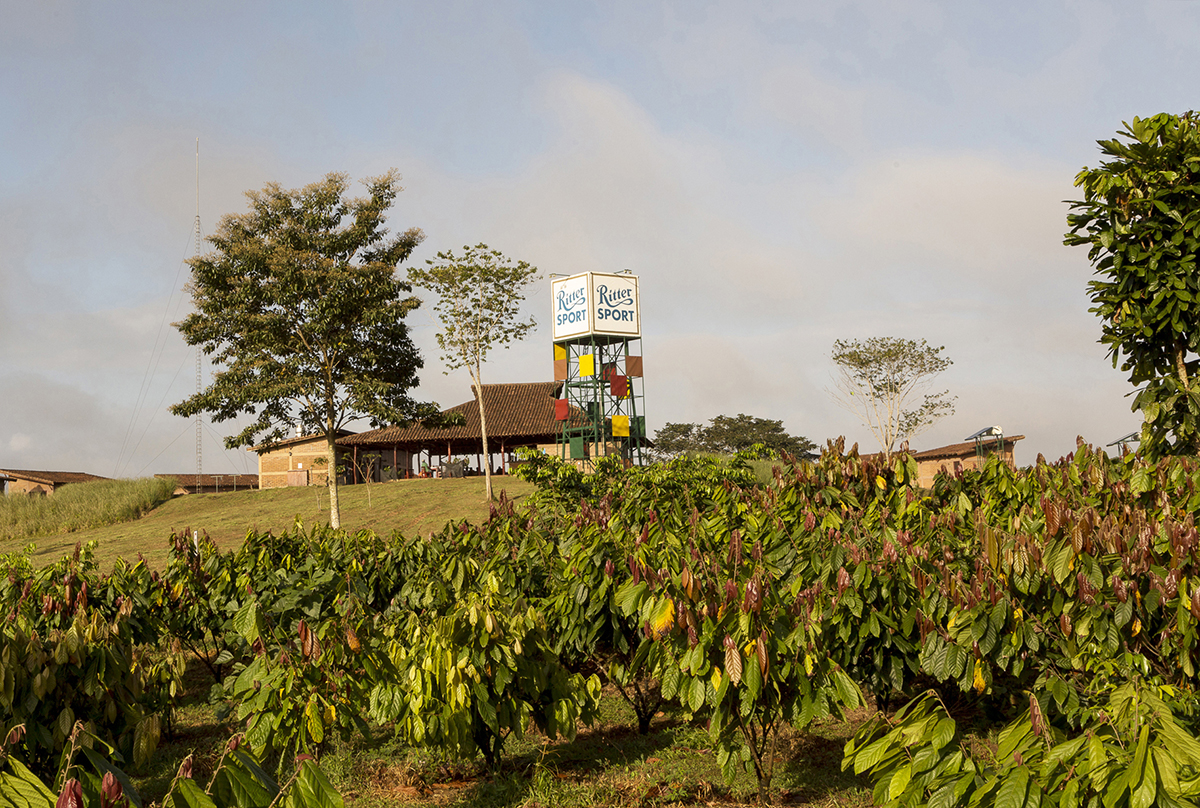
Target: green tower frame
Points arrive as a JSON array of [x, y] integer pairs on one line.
[[601, 406]]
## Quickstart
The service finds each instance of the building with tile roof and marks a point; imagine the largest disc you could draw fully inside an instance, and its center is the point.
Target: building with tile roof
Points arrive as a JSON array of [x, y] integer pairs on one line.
[[298, 461], [518, 414], [210, 483], [967, 455], [24, 481]]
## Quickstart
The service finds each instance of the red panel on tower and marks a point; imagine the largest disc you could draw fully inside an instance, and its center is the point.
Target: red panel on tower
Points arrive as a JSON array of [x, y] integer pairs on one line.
[[620, 386], [562, 409]]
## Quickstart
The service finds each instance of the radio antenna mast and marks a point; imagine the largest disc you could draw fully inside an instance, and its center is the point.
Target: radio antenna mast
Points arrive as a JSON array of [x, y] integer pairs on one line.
[[199, 371]]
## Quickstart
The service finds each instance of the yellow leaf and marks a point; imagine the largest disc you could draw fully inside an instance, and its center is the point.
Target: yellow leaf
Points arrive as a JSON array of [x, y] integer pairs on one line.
[[663, 617], [980, 684]]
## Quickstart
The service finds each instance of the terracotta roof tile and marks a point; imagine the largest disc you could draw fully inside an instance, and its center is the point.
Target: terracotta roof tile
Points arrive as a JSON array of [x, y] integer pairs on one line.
[[965, 449], [213, 480], [516, 410], [267, 447], [962, 449]]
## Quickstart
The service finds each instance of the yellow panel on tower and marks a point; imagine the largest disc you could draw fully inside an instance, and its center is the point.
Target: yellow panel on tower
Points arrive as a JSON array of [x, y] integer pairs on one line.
[[587, 365], [560, 352], [620, 425]]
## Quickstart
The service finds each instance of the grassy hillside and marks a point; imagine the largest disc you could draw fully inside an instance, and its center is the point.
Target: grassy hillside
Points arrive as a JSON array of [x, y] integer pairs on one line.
[[410, 506], [80, 506]]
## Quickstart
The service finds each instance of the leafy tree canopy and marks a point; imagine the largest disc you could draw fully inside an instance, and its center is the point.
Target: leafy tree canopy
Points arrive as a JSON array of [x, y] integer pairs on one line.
[[885, 381], [1140, 220], [727, 434], [302, 312]]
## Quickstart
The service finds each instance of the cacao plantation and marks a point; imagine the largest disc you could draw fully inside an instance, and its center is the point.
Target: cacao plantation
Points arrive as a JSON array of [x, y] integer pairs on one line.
[[1057, 607]]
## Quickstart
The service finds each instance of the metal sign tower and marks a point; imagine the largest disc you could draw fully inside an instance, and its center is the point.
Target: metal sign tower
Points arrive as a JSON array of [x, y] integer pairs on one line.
[[597, 334], [199, 356]]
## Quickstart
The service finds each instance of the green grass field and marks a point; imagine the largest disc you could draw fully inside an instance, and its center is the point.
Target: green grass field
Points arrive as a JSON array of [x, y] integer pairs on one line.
[[410, 506]]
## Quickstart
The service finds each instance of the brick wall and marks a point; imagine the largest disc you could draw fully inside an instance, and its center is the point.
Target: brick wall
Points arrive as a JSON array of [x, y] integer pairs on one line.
[[273, 466], [29, 487]]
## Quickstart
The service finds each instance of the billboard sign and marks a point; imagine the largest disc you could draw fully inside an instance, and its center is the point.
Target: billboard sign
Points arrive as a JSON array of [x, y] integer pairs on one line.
[[596, 303]]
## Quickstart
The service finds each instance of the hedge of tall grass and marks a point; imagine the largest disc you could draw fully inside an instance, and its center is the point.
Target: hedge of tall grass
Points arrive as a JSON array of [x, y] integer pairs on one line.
[[81, 505]]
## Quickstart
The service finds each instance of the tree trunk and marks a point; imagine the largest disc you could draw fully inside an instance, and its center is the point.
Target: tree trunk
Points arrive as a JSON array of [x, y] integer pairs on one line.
[[487, 460], [335, 512], [1181, 366]]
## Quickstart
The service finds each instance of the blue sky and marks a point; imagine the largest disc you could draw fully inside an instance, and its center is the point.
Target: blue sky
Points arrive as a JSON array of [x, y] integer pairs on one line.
[[779, 175]]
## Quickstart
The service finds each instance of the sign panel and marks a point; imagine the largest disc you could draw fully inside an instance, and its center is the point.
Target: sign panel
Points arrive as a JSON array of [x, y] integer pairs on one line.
[[572, 314], [596, 303]]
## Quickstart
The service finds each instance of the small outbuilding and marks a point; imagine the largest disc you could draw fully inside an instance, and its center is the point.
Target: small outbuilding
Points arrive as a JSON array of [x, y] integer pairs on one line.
[[24, 481], [210, 483], [298, 461], [968, 455]]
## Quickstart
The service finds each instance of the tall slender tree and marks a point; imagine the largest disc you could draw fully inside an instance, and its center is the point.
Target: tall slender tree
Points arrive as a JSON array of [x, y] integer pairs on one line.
[[300, 306], [885, 381], [479, 303]]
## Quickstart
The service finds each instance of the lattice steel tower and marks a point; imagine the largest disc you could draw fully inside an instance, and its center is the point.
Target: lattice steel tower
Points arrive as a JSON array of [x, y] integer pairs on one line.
[[597, 356], [199, 354]]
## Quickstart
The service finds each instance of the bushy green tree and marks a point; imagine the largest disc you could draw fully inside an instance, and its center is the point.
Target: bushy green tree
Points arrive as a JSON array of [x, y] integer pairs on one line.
[[1140, 220], [728, 434], [302, 311]]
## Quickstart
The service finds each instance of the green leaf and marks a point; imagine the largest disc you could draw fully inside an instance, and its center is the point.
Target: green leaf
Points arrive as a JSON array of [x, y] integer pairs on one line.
[[22, 787], [241, 782], [752, 677], [848, 694], [1165, 765], [259, 733], [1140, 482], [899, 782], [696, 697], [1065, 751], [186, 794], [670, 682], [872, 753], [312, 789], [943, 733], [1013, 788], [145, 739], [1142, 766], [248, 621], [630, 595]]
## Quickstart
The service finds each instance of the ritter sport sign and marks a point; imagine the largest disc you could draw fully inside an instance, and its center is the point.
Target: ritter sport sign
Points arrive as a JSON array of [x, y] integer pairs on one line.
[[596, 303]]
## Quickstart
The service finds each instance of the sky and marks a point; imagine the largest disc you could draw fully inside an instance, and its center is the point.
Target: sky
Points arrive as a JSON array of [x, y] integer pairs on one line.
[[779, 175]]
